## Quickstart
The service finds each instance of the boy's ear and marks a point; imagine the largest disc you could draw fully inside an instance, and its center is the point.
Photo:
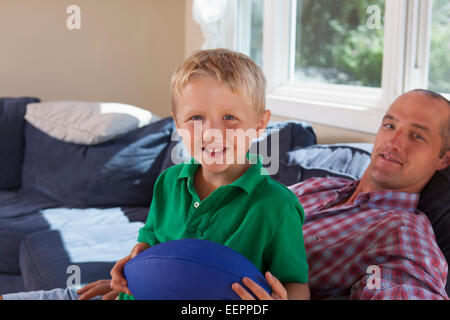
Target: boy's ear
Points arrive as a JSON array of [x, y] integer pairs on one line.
[[263, 122], [174, 119]]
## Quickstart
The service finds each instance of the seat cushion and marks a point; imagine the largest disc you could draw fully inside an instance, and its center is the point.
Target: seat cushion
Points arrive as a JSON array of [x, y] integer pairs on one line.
[[10, 283], [12, 142], [89, 240], [19, 216]]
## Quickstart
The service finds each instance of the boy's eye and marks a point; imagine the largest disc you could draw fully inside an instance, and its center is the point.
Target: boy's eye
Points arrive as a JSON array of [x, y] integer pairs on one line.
[[388, 126], [229, 117], [196, 118]]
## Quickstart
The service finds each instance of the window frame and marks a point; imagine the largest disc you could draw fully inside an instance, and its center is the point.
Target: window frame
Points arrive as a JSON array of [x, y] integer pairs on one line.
[[407, 33]]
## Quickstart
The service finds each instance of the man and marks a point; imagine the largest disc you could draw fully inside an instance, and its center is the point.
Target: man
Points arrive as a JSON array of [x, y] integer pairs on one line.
[[365, 239]]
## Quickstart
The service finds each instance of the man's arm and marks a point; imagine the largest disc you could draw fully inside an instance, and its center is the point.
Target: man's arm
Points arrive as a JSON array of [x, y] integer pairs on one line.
[[411, 266], [297, 291]]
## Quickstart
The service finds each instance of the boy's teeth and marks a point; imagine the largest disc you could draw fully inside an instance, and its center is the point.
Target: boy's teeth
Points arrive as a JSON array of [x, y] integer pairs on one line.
[[214, 150]]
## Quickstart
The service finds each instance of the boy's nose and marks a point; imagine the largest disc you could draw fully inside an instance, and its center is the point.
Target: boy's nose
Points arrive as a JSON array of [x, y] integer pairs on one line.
[[212, 135], [212, 132]]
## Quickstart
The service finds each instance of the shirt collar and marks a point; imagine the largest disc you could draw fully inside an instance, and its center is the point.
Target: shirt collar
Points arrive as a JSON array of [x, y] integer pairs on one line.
[[247, 182], [384, 199]]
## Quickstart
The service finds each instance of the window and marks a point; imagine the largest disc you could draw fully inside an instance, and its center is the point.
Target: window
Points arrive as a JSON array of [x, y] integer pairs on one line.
[[342, 63], [334, 42], [250, 29], [439, 62]]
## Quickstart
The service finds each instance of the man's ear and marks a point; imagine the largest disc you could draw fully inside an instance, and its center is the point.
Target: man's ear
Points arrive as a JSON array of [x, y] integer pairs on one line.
[[445, 161]]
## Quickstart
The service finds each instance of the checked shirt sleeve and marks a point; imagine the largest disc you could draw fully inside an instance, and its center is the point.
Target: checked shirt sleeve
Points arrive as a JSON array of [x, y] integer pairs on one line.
[[411, 266]]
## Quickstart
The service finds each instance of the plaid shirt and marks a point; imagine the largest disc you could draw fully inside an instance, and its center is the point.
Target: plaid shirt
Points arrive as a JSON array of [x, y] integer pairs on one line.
[[381, 229]]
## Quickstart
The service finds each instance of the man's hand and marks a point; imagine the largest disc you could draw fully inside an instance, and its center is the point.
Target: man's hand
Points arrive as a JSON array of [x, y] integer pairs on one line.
[[118, 282], [98, 288], [278, 291]]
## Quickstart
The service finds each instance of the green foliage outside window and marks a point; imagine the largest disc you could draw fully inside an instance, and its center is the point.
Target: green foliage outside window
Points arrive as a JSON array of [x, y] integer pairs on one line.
[[333, 41], [439, 72]]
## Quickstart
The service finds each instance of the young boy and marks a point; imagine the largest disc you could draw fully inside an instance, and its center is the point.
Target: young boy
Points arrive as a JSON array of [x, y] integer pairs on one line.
[[223, 194]]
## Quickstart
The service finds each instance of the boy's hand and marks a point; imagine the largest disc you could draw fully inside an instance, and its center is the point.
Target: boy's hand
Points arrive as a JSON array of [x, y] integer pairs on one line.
[[98, 288], [278, 291], [118, 282]]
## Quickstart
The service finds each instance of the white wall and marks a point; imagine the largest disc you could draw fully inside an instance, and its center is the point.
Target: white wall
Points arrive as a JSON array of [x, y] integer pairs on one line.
[[125, 51]]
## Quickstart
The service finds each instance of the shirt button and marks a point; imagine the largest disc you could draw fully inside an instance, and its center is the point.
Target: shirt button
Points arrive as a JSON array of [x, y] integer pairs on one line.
[[196, 204]]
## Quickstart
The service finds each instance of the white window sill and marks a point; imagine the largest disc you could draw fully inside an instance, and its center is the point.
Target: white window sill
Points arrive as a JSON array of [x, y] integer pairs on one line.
[[345, 107]]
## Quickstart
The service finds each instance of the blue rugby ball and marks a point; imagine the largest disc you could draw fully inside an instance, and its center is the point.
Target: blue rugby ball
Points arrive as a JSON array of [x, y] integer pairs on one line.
[[189, 269]]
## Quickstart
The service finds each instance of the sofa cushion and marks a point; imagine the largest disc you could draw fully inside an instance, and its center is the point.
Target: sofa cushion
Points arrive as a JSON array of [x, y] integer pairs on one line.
[[350, 161], [84, 122], [118, 172], [335, 160], [12, 142], [91, 240], [19, 216], [11, 283]]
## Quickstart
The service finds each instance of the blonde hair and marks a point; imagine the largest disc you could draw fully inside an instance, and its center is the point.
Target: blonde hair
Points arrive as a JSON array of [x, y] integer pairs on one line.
[[233, 69]]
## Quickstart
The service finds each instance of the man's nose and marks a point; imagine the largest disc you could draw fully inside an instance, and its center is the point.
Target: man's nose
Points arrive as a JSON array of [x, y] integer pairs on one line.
[[396, 140]]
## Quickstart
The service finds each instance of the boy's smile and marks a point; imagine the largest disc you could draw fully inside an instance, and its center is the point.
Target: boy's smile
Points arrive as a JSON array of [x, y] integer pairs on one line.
[[217, 125]]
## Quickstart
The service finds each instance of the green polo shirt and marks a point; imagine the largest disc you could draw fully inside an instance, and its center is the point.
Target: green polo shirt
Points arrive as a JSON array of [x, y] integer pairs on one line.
[[255, 215]]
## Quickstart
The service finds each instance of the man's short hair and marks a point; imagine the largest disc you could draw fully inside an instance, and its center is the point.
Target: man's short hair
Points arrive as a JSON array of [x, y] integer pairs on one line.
[[445, 128], [233, 69]]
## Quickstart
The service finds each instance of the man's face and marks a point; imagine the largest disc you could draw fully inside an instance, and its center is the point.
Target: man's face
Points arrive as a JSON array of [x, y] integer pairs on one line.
[[407, 146]]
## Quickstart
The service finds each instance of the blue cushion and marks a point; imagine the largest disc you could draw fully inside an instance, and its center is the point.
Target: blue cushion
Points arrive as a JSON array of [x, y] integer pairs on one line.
[[347, 160], [12, 143], [44, 263], [92, 239], [119, 172], [18, 217], [11, 283]]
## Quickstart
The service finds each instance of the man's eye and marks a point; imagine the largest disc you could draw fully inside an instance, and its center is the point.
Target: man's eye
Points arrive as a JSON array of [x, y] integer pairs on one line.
[[418, 137], [229, 117], [388, 126]]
